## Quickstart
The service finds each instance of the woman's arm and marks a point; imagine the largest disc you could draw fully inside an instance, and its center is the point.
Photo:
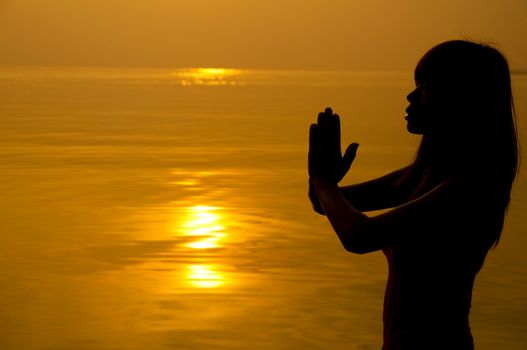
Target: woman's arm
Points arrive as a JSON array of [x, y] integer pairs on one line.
[[315, 203], [444, 205], [387, 191], [360, 234]]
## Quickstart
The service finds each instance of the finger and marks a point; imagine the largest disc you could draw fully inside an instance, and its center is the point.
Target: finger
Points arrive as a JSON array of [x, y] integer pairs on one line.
[[334, 135], [313, 136], [322, 121], [313, 148], [320, 117], [324, 129], [349, 155], [314, 140], [326, 115]]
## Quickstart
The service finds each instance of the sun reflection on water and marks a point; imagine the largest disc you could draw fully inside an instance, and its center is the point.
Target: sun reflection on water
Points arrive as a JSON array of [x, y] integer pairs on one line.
[[204, 226], [208, 76], [204, 276]]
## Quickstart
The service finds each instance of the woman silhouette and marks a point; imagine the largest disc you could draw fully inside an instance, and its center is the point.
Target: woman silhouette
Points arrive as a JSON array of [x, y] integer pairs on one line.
[[448, 206]]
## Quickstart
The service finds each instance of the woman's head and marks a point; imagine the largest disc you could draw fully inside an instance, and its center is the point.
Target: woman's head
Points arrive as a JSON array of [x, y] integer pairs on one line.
[[463, 104], [465, 84]]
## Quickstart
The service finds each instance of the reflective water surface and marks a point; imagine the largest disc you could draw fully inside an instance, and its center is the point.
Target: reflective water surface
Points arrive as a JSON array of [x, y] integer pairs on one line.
[[167, 209]]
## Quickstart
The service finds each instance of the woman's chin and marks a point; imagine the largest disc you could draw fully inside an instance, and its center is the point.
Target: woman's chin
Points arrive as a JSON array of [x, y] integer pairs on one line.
[[414, 129]]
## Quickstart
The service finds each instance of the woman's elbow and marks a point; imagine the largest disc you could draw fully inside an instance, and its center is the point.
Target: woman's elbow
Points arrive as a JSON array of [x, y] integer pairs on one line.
[[318, 210], [355, 238], [353, 243], [357, 248]]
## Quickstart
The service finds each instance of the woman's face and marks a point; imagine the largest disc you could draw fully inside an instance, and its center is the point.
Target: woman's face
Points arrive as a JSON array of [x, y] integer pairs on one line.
[[420, 110]]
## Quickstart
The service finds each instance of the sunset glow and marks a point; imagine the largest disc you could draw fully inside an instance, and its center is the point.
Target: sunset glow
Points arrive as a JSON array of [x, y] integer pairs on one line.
[[208, 76], [154, 173]]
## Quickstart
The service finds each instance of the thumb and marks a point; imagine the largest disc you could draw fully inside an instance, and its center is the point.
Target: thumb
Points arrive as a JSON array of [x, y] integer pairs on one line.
[[349, 155]]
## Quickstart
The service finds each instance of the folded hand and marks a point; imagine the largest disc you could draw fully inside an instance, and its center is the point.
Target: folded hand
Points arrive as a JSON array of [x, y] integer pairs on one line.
[[325, 158]]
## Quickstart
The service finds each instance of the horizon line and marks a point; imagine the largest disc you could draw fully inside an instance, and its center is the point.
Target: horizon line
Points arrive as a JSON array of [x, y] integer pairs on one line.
[[519, 71]]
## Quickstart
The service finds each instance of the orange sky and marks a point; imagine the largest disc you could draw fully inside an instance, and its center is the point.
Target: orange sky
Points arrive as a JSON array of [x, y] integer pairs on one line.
[[319, 34]]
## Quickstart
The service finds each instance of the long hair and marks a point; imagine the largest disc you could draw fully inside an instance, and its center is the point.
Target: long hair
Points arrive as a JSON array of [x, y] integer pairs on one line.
[[473, 130]]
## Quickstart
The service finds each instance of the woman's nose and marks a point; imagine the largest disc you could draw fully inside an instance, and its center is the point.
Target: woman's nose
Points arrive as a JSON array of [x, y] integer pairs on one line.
[[411, 96]]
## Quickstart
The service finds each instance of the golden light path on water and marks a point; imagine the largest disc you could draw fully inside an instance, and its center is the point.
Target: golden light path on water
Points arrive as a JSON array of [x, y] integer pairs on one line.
[[208, 76], [204, 225]]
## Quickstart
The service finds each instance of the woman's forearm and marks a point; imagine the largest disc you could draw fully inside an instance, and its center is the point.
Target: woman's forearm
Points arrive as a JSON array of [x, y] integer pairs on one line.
[[349, 223], [317, 207]]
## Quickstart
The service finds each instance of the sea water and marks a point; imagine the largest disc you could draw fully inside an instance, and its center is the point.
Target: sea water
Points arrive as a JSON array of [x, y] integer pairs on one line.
[[167, 209]]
